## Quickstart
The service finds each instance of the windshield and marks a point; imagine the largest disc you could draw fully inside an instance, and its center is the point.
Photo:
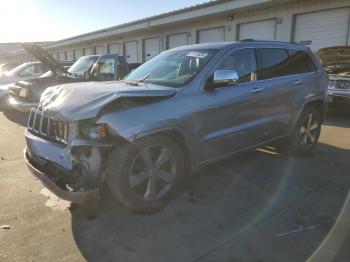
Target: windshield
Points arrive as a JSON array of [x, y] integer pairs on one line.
[[82, 65], [172, 68]]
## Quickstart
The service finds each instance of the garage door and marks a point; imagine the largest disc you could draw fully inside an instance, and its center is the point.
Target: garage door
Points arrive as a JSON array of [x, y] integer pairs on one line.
[[76, 53], [212, 35], [322, 29], [100, 50], [62, 56], [151, 48], [263, 30], [130, 50], [88, 51], [113, 49], [176, 40]]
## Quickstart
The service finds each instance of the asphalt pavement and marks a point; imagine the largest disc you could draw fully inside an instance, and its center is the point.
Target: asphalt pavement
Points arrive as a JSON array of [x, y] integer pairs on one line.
[[261, 205]]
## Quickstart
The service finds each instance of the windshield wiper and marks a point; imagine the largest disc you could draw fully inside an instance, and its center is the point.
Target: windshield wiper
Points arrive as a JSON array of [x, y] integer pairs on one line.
[[132, 83], [144, 78], [136, 82]]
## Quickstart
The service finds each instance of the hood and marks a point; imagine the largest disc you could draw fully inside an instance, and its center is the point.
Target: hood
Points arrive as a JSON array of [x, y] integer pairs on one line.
[[71, 102], [6, 81], [334, 55], [43, 56]]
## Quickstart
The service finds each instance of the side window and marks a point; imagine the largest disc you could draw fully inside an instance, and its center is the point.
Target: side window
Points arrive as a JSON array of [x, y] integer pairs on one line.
[[274, 63], [28, 71], [104, 69], [39, 69], [243, 62], [300, 62]]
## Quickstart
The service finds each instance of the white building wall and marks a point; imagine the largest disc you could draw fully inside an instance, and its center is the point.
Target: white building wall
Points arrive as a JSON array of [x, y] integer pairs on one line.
[[283, 14]]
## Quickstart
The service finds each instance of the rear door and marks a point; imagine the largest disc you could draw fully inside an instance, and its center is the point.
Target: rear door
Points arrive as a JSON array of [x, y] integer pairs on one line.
[[281, 90], [233, 116]]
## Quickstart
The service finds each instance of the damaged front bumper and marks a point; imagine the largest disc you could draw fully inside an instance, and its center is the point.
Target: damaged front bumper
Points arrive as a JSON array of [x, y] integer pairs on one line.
[[73, 173], [51, 183]]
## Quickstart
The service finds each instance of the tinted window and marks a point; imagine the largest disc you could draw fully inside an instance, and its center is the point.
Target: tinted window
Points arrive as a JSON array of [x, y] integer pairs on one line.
[[274, 63], [243, 62], [300, 62]]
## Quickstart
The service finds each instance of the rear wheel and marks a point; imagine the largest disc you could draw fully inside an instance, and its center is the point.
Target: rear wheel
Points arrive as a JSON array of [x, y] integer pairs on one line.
[[307, 132], [144, 175]]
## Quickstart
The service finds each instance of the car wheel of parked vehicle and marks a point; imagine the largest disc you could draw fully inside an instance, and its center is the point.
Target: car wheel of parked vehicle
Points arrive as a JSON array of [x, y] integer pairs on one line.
[[144, 174], [307, 131]]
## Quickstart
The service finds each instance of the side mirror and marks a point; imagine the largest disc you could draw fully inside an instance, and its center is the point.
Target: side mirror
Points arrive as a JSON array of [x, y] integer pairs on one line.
[[225, 78]]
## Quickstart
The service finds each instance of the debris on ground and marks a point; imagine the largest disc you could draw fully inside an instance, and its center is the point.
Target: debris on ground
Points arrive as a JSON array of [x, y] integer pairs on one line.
[[5, 227], [91, 217], [304, 228], [72, 207], [3, 158], [300, 229], [128, 248]]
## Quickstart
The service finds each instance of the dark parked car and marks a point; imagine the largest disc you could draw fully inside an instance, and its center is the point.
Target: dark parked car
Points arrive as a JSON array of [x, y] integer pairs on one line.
[[336, 61], [183, 109], [26, 94]]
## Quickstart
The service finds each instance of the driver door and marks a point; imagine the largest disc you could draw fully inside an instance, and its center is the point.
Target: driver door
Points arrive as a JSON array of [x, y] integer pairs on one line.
[[233, 115], [107, 68]]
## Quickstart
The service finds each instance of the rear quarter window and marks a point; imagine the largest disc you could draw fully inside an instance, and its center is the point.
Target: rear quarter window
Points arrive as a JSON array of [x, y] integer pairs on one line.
[[277, 62], [300, 62]]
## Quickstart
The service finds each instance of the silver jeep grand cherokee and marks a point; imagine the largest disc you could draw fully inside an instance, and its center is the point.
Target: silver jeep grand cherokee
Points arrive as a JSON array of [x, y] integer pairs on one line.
[[185, 108]]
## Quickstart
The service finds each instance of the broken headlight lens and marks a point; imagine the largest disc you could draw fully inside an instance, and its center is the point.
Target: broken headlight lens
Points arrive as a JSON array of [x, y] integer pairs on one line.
[[24, 92], [95, 132]]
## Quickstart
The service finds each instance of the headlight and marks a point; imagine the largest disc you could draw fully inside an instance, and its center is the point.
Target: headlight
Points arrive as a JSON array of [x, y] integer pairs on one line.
[[94, 132], [24, 92]]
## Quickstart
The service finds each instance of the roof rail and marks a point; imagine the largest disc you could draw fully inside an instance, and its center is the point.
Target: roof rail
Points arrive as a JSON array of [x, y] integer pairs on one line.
[[273, 41], [248, 40]]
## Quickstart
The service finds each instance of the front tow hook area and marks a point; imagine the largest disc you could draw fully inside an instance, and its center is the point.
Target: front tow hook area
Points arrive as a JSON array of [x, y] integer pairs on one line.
[[78, 197]]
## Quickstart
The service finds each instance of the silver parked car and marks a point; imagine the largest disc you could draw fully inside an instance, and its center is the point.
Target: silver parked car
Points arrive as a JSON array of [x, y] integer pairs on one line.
[[185, 108], [22, 72]]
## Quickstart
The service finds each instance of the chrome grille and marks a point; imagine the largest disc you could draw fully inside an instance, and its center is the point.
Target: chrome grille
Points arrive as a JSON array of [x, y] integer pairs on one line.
[[41, 125], [343, 84], [332, 83]]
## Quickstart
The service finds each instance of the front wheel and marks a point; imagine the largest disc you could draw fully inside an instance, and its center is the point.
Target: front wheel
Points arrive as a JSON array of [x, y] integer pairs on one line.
[[307, 132], [144, 174]]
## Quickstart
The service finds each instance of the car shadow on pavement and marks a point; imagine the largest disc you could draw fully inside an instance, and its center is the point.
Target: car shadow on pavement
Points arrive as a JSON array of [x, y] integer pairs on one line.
[[15, 116], [258, 206]]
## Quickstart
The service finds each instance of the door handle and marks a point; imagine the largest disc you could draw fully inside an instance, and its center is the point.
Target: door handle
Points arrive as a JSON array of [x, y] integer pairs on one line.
[[257, 90], [297, 82]]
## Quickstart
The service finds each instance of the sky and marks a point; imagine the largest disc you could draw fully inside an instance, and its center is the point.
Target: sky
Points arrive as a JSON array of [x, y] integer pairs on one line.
[[49, 20]]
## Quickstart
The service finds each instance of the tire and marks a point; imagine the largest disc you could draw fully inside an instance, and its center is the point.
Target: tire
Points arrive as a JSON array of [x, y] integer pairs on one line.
[[306, 133], [143, 175]]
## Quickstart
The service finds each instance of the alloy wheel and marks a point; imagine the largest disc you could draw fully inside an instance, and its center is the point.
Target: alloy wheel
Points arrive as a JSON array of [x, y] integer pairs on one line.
[[309, 130], [152, 172]]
